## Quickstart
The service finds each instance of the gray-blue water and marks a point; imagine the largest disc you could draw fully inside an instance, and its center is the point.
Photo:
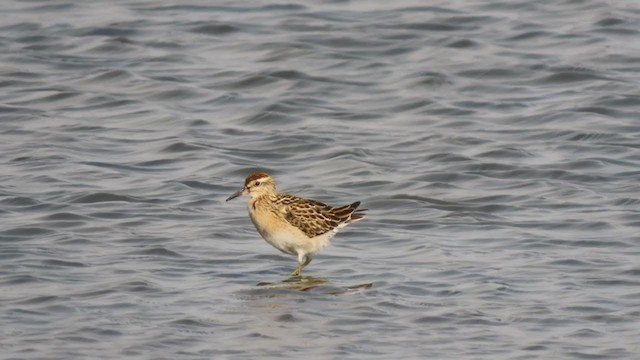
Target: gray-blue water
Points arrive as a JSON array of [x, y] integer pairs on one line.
[[496, 145]]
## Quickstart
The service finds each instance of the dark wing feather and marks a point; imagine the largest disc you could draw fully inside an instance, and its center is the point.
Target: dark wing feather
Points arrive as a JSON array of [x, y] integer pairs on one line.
[[315, 218]]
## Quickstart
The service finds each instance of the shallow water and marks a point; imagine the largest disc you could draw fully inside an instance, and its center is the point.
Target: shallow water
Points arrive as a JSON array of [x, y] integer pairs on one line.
[[495, 144]]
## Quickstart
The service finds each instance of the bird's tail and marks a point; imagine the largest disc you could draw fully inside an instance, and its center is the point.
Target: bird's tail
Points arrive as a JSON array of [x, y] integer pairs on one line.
[[349, 213]]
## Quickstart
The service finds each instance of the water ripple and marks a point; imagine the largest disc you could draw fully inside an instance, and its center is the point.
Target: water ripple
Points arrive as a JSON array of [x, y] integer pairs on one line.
[[494, 143]]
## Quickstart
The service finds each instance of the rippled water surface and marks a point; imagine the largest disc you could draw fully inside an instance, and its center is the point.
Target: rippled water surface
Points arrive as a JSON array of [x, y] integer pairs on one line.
[[495, 144]]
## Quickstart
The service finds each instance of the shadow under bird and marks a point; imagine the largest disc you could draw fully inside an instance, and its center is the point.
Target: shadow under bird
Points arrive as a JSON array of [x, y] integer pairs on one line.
[[293, 225]]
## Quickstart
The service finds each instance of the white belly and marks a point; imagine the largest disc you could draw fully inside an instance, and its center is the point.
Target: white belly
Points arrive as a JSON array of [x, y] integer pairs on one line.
[[284, 236]]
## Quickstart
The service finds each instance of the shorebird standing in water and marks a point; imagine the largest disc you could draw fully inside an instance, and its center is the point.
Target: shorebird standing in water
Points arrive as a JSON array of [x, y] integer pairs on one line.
[[293, 225]]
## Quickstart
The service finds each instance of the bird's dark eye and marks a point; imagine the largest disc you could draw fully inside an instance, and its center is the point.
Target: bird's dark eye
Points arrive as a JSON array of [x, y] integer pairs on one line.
[[257, 183]]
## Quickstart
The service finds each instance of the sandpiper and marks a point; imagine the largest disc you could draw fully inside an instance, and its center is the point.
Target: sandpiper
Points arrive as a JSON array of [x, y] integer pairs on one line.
[[294, 225]]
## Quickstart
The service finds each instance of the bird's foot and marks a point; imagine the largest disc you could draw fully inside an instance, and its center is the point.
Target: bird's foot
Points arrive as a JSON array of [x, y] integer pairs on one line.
[[297, 271]]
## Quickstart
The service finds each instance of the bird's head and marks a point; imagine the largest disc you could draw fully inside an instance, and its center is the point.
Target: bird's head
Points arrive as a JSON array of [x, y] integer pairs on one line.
[[256, 185]]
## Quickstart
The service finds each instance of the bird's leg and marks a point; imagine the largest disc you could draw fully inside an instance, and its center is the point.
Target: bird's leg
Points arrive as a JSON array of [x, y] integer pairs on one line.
[[301, 265], [297, 271], [307, 260]]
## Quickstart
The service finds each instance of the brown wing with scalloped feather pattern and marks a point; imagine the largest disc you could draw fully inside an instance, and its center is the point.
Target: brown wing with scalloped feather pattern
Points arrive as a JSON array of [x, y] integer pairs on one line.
[[315, 218]]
